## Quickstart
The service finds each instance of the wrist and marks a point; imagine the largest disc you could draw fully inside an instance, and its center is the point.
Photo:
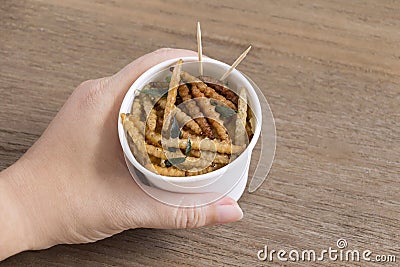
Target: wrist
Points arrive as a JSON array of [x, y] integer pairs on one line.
[[15, 235]]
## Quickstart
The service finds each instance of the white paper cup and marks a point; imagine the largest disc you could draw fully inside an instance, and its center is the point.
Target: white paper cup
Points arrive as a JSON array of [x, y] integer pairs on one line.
[[229, 180]]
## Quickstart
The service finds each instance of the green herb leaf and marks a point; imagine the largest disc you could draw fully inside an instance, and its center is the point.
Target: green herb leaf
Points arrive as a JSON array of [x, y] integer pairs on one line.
[[174, 161], [213, 102], [168, 79], [225, 111], [188, 147], [155, 91], [175, 130], [172, 149]]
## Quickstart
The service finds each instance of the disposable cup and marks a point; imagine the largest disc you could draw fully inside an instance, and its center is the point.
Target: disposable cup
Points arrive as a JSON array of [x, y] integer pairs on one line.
[[229, 180]]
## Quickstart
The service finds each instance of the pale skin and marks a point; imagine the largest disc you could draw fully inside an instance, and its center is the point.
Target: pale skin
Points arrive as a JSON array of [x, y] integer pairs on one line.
[[72, 186]]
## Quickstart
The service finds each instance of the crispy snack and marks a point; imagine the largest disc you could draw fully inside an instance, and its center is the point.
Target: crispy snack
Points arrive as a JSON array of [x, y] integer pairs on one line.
[[140, 125], [136, 109], [206, 144], [154, 160], [240, 132], [182, 117], [212, 115], [155, 151], [218, 158], [207, 91], [137, 138], [153, 138], [190, 162], [194, 111], [173, 89], [135, 151], [206, 170], [151, 115], [211, 93], [194, 164], [220, 88], [191, 79], [186, 134], [170, 171]]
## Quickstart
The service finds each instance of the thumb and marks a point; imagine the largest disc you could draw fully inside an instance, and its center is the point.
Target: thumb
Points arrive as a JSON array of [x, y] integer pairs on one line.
[[165, 216]]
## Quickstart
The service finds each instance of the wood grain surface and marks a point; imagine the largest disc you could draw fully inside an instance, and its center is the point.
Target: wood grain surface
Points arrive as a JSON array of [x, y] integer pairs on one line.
[[329, 69]]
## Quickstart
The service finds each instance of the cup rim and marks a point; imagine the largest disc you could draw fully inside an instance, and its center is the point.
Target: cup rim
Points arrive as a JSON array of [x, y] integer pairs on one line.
[[196, 178]]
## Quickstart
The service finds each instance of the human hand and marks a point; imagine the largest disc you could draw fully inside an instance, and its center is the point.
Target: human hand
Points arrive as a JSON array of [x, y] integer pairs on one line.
[[73, 186]]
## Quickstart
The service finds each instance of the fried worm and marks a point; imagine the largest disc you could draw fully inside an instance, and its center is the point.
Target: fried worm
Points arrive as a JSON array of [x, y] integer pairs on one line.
[[207, 91], [170, 171], [137, 137], [204, 171], [209, 111], [205, 144], [194, 111], [151, 114], [220, 88], [173, 89], [240, 130], [182, 117], [218, 158]]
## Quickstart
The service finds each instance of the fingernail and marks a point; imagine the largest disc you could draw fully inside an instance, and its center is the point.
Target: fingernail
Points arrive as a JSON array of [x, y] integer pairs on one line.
[[229, 213]]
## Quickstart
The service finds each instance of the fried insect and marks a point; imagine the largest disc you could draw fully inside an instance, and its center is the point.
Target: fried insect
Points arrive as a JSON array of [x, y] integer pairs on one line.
[[240, 131], [153, 138], [155, 151], [205, 144], [182, 117], [186, 134], [173, 89], [207, 91], [136, 110], [212, 115], [220, 88], [215, 157], [151, 114], [194, 111], [170, 171], [154, 160], [137, 138], [204, 171]]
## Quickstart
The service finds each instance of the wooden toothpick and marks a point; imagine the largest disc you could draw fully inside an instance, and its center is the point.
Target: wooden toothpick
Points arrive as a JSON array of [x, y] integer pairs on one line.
[[234, 65], [199, 49]]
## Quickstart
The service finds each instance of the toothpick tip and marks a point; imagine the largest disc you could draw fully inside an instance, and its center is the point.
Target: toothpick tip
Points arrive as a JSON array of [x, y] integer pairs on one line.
[[235, 64], [199, 48]]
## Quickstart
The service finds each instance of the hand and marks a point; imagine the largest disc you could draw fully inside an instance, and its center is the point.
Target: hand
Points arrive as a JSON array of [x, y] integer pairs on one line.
[[72, 186]]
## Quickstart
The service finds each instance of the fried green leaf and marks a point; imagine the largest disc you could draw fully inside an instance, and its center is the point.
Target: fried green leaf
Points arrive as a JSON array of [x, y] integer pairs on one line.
[[188, 147], [225, 112], [175, 131]]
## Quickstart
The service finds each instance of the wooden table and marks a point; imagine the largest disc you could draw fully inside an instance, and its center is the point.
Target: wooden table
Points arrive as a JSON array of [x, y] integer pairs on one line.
[[330, 71]]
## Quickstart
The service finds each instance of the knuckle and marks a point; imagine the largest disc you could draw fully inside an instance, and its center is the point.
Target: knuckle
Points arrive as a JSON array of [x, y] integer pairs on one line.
[[85, 84], [92, 91], [187, 218], [162, 50]]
